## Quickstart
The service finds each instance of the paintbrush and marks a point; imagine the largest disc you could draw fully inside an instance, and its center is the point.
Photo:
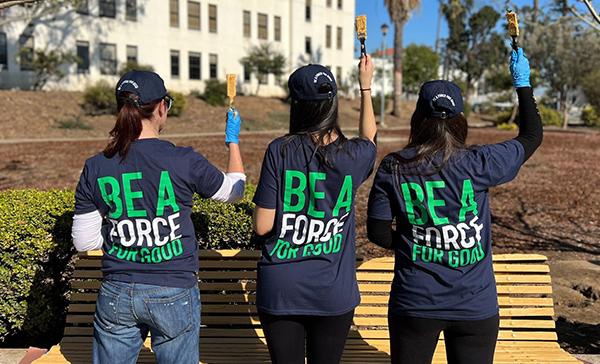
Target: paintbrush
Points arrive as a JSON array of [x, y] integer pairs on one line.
[[231, 89], [513, 28], [361, 32]]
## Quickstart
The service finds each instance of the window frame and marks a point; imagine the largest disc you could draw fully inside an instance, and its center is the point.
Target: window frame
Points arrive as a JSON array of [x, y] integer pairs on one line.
[[191, 73], [213, 20], [277, 26], [111, 12], [308, 45], [83, 8], [129, 47], [131, 12], [103, 61], [308, 11], [197, 16], [260, 27], [211, 75], [328, 36], [83, 67], [174, 18], [339, 38], [3, 52], [340, 4], [175, 53], [23, 39], [247, 23]]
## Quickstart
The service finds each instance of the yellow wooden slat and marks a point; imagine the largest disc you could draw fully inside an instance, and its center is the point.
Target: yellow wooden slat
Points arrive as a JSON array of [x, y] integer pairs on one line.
[[523, 289], [522, 278]]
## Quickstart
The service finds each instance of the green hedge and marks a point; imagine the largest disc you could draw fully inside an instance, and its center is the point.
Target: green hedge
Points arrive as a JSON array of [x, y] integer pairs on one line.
[[36, 257]]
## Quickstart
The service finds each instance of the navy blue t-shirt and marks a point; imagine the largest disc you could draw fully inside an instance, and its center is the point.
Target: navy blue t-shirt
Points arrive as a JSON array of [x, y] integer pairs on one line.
[[308, 265], [146, 201], [443, 263]]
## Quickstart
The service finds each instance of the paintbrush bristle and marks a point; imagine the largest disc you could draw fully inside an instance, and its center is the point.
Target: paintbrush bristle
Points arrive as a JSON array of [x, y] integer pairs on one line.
[[231, 85], [361, 27], [513, 23]]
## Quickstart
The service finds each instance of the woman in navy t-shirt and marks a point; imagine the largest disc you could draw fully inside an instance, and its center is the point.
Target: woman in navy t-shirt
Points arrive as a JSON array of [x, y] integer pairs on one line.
[[134, 201], [307, 288], [436, 190]]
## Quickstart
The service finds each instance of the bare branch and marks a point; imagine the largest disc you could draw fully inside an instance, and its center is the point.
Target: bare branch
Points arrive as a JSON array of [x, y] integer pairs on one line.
[[595, 15], [584, 18], [8, 3]]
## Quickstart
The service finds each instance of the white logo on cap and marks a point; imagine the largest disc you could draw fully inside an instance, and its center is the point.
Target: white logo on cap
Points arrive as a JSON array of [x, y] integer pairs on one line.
[[132, 82], [438, 96], [316, 78]]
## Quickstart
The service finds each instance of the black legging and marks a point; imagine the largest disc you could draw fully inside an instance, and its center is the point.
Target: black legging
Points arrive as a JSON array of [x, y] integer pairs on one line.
[[413, 340], [324, 336]]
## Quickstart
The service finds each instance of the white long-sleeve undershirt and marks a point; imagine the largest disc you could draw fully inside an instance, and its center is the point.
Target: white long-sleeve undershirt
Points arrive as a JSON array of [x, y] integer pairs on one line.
[[87, 228]]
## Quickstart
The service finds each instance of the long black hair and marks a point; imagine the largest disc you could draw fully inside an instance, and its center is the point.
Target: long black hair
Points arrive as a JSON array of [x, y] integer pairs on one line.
[[317, 120], [435, 141]]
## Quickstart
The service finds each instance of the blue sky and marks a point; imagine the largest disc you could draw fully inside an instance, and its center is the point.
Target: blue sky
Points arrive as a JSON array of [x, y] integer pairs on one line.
[[421, 28]]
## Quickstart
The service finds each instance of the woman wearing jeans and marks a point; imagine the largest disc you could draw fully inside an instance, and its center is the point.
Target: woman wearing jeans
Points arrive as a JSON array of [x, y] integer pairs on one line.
[[436, 190], [134, 200], [306, 286]]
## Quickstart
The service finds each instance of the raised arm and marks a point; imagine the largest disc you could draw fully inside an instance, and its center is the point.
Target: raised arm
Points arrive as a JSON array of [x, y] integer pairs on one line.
[[530, 124], [234, 183], [367, 127]]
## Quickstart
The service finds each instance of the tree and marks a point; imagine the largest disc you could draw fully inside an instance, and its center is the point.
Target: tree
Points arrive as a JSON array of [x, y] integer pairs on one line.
[[473, 45], [46, 65], [566, 56], [31, 11], [399, 12], [262, 60], [421, 65]]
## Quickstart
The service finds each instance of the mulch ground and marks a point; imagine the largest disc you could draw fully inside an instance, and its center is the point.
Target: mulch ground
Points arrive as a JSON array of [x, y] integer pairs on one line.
[[552, 208]]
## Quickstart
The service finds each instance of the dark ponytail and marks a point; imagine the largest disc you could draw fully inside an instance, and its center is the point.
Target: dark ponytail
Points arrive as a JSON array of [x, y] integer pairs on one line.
[[435, 141], [129, 123]]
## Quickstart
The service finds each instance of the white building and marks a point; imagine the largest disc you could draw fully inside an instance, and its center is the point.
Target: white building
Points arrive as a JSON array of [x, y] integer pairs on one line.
[[186, 41]]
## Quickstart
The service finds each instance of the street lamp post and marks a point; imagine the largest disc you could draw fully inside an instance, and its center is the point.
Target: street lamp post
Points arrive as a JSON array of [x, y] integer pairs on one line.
[[384, 30]]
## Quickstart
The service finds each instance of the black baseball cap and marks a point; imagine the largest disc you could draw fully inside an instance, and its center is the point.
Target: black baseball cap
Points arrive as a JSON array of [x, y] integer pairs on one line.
[[312, 83], [440, 99], [147, 85]]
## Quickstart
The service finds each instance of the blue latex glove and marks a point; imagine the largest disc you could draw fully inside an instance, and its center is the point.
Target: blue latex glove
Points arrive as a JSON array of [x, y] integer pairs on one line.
[[232, 129], [519, 68]]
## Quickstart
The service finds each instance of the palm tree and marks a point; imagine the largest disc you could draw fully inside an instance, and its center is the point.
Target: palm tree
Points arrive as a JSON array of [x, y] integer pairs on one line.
[[399, 12]]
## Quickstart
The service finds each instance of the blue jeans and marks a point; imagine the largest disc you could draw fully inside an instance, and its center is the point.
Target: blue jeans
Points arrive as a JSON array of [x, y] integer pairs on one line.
[[126, 312]]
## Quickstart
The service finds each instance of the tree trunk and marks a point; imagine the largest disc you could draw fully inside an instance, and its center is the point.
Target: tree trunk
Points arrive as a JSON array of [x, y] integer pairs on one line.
[[398, 60], [564, 108], [536, 9], [513, 114]]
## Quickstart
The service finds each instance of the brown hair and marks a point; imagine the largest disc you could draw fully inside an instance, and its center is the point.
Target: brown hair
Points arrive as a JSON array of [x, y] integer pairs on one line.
[[431, 137], [129, 123]]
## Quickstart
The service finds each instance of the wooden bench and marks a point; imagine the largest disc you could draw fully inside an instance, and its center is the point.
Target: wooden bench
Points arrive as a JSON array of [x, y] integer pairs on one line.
[[231, 330]]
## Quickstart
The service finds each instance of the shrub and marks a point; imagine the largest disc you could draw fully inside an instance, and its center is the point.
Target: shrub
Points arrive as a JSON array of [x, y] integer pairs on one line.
[[550, 116], [507, 126], [590, 116], [377, 103], [36, 254], [73, 123], [99, 99], [134, 66], [35, 250], [179, 103], [503, 117], [215, 93]]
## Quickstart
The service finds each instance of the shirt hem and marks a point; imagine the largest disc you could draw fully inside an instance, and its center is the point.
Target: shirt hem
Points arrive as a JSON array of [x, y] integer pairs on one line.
[[306, 312], [462, 317]]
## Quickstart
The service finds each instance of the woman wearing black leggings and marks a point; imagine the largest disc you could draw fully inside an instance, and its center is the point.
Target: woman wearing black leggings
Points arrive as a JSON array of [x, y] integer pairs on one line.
[[436, 190]]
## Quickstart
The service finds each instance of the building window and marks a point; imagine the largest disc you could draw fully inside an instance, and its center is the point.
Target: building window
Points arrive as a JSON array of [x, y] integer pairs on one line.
[[308, 10], [174, 64], [328, 36], [108, 8], [212, 18], [195, 61], [278, 29], [247, 24], [263, 79], [174, 13], [26, 52], [131, 10], [132, 54], [193, 15], [83, 57], [338, 75], [339, 38], [3, 52], [340, 4], [328, 3], [213, 65], [247, 74], [308, 45], [108, 59], [263, 32], [83, 7]]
